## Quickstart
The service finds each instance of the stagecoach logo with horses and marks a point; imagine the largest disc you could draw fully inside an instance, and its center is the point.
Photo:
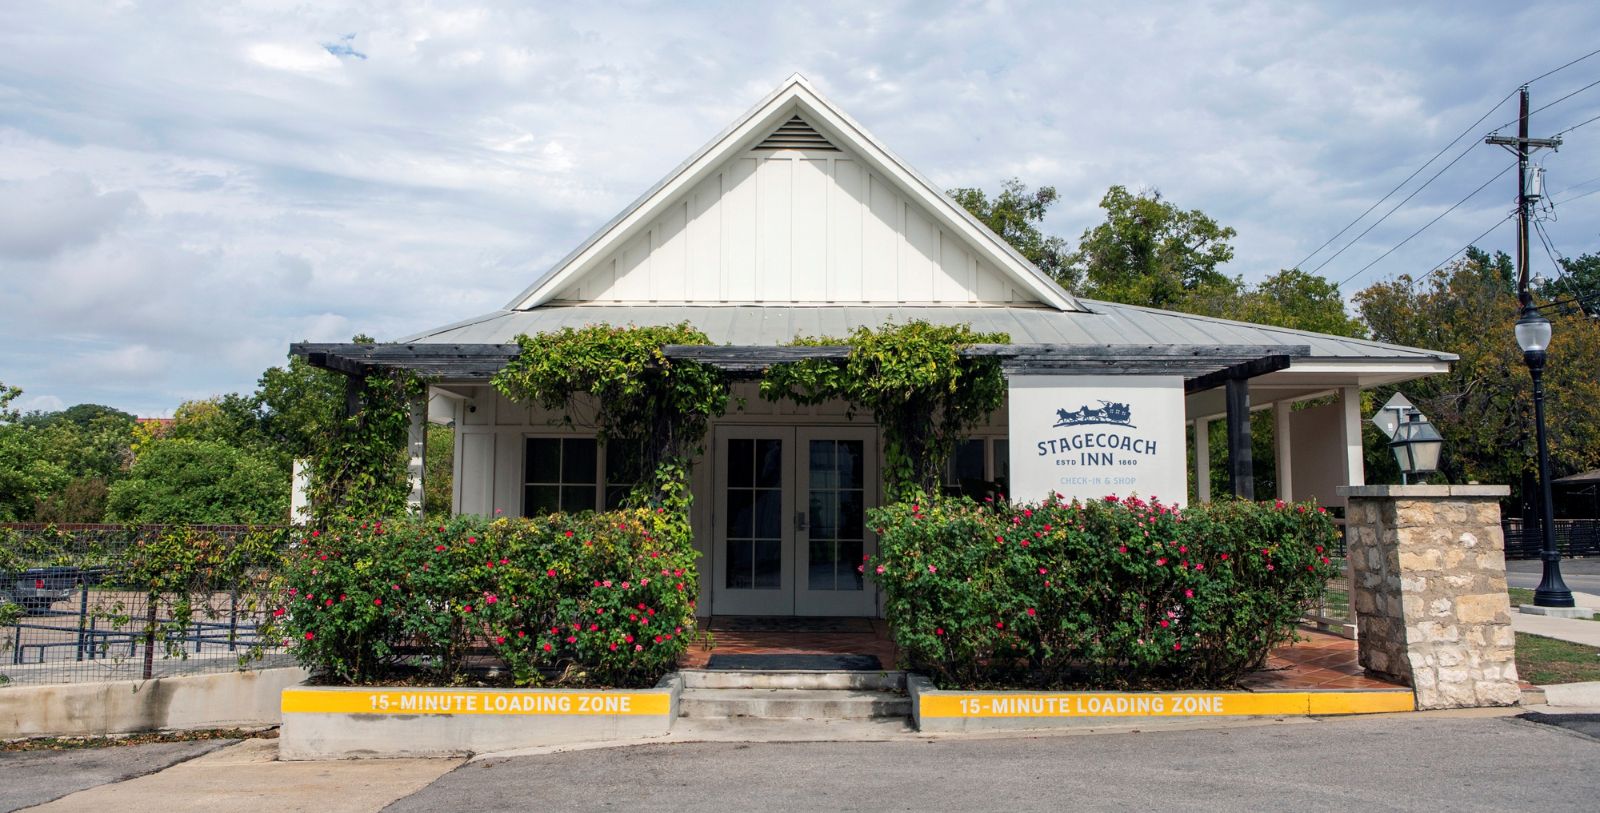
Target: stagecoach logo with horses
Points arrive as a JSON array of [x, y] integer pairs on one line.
[[1109, 412]]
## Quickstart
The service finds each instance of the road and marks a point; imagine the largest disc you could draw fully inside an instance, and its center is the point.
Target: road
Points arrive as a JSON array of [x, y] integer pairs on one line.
[[1582, 575], [1424, 763]]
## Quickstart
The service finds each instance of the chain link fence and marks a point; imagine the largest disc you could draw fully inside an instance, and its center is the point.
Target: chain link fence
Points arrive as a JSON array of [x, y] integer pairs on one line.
[[89, 603]]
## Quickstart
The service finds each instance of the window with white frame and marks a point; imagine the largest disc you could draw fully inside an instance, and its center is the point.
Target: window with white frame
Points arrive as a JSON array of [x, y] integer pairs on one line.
[[559, 474]]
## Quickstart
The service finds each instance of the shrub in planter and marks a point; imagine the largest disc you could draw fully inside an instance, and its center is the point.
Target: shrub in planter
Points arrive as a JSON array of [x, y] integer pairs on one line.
[[1110, 593], [589, 599]]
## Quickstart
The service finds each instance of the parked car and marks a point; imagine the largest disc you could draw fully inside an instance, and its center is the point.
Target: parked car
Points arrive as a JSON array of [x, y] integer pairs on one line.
[[37, 589]]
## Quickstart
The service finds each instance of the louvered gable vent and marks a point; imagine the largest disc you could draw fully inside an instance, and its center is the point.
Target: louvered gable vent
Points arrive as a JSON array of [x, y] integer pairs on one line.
[[796, 134]]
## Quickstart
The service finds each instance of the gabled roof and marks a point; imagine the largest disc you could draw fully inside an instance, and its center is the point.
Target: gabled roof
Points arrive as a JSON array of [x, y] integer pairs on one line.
[[796, 97]]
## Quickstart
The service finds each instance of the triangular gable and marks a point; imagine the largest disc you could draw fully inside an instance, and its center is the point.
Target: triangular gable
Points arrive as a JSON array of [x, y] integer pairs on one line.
[[795, 203]]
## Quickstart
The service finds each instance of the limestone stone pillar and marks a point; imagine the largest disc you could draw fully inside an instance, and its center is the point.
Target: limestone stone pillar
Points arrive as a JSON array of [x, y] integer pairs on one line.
[[1428, 587]]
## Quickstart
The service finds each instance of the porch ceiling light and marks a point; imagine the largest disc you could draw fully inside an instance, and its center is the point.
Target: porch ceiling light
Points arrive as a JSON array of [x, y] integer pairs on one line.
[[1416, 444]]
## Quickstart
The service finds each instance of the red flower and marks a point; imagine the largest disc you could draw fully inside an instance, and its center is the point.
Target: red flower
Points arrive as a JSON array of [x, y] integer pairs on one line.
[[1177, 647], [1122, 549], [569, 534], [278, 613], [999, 625], [1161, 561], [500, 639], [1031, 611], [1188, 594], [378, 601], [438, 548], [613, 646], [572, 639], [310, 635], [547, 647], [551, 573], [1224, 557], [628, 638], [1164, 622], [467, 608], [938, 630]]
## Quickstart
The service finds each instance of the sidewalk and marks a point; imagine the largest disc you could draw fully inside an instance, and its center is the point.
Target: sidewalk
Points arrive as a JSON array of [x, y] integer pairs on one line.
[[1575, 630]]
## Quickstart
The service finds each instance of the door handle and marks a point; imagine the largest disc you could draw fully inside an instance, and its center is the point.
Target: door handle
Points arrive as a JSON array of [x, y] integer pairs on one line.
[[800, 520]]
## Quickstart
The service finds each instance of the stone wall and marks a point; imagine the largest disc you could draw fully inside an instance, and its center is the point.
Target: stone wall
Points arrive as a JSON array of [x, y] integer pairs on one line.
[[1428, 587]]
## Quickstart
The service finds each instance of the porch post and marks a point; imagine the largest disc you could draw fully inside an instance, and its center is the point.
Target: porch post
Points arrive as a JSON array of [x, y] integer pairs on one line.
[[1280, 438], [417, 451], [1355, 472], [1202, 460], [1241, 475]]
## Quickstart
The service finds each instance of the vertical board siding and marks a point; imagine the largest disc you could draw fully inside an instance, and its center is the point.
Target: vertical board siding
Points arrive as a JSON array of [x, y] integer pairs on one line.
[[801, 226], [775, 235]]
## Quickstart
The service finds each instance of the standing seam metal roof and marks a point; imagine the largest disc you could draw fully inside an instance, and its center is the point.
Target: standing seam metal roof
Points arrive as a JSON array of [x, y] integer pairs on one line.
[[770, 325]]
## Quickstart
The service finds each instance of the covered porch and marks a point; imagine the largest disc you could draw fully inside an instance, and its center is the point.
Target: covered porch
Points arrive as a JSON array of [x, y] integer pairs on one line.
[[782, 489]]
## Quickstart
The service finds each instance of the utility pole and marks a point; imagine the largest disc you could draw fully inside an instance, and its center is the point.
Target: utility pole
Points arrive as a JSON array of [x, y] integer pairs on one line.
[[1522, 146]]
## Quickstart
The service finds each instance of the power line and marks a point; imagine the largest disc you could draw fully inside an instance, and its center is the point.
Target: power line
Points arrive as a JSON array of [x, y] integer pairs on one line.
[[1435, 157], [1415, 173], [1395, 208], [1550, 105], [1425, 226], [1563, 67], [1579, 124]]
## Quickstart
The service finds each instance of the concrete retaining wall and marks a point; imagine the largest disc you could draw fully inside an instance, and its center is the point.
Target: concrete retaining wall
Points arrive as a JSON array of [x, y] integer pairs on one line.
[[938, 710], [381, 722], [125, 707]]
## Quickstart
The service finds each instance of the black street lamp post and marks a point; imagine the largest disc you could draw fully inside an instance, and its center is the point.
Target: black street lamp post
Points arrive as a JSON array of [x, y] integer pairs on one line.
[[1533, 336]]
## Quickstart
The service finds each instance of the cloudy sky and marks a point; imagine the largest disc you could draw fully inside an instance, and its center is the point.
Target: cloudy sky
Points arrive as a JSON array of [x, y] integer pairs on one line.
[[186, 188]]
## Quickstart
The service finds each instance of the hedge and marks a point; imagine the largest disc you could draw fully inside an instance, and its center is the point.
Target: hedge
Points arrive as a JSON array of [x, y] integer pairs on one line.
[[594, 599], [1105, 594]]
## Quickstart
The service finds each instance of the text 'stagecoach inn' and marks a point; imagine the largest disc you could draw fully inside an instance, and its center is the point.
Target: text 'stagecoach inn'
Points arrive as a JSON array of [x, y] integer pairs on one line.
[[796, 222]]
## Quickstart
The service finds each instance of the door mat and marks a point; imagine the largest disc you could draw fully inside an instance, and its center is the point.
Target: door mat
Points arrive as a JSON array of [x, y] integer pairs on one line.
[[788, 623], [812, 663]]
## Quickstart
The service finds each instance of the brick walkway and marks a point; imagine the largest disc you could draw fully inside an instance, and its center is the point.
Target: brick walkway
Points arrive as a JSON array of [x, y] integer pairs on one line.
[[1319, 661]]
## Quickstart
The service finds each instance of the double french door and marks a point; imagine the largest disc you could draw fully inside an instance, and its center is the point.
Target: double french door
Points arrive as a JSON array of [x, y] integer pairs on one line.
[[789, 520]]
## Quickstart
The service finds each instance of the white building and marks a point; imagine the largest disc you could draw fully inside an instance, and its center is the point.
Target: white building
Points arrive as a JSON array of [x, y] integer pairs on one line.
[[796, 222]]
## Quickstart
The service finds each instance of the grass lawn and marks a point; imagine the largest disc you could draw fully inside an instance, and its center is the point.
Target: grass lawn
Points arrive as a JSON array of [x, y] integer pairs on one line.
[[1520, 595], [1542, 660]]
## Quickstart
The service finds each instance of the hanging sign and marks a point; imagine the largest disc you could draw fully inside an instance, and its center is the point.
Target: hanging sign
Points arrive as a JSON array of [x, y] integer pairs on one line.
[[1088, 437]]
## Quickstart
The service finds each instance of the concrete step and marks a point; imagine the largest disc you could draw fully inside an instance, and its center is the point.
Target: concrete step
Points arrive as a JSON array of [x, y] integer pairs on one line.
[[893, 681], [792, 704]]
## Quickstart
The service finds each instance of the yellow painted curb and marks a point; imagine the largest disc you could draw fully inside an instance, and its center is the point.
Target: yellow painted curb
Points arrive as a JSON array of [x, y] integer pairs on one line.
[[1159, 704], [559, 702]]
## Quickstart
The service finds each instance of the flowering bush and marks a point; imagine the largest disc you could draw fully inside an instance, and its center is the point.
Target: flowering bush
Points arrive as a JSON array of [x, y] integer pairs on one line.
[[1109, 593], [587, 599]]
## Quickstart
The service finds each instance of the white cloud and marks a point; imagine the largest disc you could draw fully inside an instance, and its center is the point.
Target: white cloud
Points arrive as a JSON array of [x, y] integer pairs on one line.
[[297, 57], [215, 184]]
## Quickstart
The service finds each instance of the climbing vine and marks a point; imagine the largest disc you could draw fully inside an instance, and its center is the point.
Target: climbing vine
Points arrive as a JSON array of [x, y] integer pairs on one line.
[[923, 393], [361, 471], [655, 407]]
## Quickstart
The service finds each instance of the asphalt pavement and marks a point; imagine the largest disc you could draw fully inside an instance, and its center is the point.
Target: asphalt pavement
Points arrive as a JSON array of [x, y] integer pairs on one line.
[[1582, 575], [1423, 762], [33, 777]]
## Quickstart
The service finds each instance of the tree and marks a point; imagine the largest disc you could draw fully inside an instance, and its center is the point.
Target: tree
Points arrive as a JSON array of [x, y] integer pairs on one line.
[[1483, 406], [438, 480], [1291, 298], [1150, 252], [180, 480], [1015, 215], [1579, 283]]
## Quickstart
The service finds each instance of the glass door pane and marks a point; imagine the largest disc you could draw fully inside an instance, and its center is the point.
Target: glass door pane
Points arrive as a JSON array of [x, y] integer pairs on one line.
[[837, 510], [753, 541]]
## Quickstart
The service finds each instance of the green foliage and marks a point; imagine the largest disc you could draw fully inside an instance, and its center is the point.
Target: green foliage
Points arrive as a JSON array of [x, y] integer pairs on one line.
[[1102, 594], [594, 599], [1291, 298], [923, 394], [296, 407], [1579, 280], [34, 463], [361, 468], [1015, 215], [198, 481], [7, 395], [438, 479], [1150, 252], [639, 397], [1484, 406]]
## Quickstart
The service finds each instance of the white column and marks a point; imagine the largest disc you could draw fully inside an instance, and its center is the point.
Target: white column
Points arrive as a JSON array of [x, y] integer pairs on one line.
[[417, 449], [1280, 439], [1355, 472], [1202, 459]]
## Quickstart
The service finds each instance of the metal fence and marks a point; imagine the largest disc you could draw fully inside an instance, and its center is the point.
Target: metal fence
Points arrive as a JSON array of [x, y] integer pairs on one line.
[[1574, 537], [86, 603]]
